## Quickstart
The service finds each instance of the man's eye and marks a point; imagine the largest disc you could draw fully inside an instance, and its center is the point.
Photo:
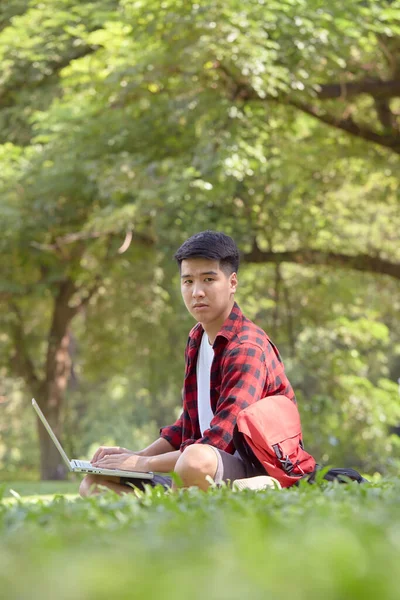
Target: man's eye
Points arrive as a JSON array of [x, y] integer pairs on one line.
[[187, 281], [209, 279]]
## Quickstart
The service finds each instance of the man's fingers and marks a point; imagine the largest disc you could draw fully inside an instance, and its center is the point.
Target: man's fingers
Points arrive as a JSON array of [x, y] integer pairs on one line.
[[114, 457], [99, 452], [112, 461], [106, 450], [126, 461]]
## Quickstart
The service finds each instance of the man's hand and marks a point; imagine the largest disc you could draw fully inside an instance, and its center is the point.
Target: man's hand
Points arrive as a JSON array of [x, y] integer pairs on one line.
[[121, 459], [107, 451]]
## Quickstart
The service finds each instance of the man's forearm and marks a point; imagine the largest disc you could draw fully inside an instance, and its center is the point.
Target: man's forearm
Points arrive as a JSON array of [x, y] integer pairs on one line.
[[160, 446], [126, 460], [160, 456], [163, 463]]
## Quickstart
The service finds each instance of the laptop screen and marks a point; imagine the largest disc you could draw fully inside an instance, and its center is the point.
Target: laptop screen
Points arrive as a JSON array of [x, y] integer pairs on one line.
[[51, 433]]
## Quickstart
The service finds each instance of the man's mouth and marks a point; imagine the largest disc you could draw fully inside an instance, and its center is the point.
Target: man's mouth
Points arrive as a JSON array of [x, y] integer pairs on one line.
[[200, 305]]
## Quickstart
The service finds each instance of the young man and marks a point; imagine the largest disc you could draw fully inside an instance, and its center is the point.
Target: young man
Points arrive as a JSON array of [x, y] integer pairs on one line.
[[230, 363]]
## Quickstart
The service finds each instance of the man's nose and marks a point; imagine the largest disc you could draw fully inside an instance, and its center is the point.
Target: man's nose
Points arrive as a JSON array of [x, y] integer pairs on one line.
[[198, 291]]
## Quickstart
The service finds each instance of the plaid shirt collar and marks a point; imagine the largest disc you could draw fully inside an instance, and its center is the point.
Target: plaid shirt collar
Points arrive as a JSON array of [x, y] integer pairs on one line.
[[228, 330]]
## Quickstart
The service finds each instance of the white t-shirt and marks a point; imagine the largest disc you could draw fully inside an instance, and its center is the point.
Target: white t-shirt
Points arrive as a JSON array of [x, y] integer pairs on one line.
[[203, 374]]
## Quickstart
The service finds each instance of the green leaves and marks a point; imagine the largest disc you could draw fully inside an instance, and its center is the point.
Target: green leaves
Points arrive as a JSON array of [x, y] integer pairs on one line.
[[141, 546], [127, 126]]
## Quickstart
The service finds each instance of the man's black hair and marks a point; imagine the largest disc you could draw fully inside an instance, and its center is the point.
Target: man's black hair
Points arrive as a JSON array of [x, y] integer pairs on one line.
[[213, 245]]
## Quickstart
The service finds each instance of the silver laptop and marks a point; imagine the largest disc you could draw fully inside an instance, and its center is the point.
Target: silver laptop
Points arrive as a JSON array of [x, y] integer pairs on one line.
[[84, 466]]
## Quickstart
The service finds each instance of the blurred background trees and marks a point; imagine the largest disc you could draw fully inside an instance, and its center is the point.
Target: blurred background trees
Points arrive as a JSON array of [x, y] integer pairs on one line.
[[125, 127]]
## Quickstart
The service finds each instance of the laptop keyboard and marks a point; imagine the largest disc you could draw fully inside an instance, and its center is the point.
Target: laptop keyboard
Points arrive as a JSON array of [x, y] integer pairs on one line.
[[82, 464]]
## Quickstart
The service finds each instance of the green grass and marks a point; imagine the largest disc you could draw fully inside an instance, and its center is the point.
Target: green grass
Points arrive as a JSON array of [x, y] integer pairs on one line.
[[39, 488], [310, 543]]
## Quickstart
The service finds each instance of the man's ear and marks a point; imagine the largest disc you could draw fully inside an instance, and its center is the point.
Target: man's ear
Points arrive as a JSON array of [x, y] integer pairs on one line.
[[233, 282]]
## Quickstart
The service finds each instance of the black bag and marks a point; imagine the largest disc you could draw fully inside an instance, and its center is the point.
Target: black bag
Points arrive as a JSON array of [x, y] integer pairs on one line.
[[340, 475]]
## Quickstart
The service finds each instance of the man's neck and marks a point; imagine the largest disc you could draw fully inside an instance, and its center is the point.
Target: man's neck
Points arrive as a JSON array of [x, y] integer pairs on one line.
[[213, 328]]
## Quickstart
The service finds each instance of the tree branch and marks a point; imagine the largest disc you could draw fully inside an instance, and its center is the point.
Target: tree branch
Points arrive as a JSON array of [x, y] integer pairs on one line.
[[90, 292], [373, 87], [360, 262], [376, 88], [72, 238], [385, 115], [391, 141], [7, 95], [242, 90]]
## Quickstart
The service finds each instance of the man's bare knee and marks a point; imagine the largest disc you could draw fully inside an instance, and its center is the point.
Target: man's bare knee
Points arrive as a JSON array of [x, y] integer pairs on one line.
[[195, 463]]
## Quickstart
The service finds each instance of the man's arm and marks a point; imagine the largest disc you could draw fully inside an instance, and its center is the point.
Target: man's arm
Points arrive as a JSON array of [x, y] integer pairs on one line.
[[163, 463], [159, 456], [160, 446], [173, 433], [121, 458]]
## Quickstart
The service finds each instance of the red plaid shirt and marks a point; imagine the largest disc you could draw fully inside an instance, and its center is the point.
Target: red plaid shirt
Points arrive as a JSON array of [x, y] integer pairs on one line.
[[246, 368]]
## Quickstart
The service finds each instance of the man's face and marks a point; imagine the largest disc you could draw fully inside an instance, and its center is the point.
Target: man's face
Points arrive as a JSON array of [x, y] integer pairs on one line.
[[208, 292]]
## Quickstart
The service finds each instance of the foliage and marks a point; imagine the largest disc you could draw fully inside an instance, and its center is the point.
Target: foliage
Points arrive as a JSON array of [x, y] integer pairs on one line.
[[18, 448], [127, 126], [222, 544]]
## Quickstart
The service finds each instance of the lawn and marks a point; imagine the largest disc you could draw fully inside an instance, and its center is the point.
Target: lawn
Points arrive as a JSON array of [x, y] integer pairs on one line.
[[33, 489], [308, 543]]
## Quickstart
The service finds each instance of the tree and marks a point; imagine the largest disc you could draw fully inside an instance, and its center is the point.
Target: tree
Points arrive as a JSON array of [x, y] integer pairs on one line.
[[127, 126]]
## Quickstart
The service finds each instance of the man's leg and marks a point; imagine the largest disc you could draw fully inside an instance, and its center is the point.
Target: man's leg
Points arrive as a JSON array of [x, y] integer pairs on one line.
[[90, 485], [192, 467], [200, 460], [194, 464], [121, 485]]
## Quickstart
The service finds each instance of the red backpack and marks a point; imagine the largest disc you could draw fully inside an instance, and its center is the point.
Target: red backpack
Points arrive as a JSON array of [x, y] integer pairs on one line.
[[268, 434]]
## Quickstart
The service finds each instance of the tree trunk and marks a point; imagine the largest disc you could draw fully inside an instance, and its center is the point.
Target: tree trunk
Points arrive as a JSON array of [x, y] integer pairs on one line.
[[58, 371], [49, 391], [51, 399]]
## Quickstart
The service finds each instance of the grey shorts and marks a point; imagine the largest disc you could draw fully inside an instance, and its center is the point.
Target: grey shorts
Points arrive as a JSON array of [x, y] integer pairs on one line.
[[229, 468]]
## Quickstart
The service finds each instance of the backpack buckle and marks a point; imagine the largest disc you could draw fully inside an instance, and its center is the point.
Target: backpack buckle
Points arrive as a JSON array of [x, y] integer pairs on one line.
[[285, 461]]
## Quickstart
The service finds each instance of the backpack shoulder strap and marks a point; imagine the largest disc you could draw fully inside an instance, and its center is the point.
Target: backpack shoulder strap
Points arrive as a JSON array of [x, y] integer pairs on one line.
[[246, 453]]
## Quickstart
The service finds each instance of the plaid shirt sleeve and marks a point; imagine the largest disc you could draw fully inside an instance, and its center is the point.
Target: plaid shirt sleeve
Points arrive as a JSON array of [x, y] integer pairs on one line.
[[243, 380], [173, 433]]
